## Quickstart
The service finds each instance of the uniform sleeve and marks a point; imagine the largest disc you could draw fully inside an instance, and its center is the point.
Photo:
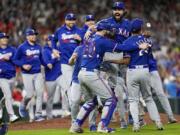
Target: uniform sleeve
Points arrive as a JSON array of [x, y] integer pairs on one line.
[[126, 47], [46, 56], [108, 45], [17, 57]]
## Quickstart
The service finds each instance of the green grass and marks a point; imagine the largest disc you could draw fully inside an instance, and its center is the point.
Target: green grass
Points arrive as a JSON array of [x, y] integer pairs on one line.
[[173, 129]]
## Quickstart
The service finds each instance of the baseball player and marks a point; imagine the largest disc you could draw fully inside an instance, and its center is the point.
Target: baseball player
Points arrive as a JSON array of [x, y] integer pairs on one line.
[[117, 78], [76, 92], [138, 77], [29, 57], [7, 73], [69, 38], [89, 24], [52, 73], [91, 82]]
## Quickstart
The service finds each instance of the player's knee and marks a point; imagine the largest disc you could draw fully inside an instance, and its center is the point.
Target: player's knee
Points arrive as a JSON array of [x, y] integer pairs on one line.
[[133, 99], [148, 99], [111, 101]]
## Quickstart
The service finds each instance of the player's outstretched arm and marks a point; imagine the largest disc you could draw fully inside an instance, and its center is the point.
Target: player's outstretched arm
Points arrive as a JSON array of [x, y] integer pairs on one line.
[[124, 61]]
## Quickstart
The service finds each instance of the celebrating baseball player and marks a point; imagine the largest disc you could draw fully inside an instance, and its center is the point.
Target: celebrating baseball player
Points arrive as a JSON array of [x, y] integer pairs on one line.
[[52, 73], [138, 77], [117, 76], [29, 57], [7, 73], [69, 38], [76, 92]]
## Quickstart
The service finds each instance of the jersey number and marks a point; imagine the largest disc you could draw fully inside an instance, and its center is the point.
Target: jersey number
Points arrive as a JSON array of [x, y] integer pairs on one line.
[[141, 52]]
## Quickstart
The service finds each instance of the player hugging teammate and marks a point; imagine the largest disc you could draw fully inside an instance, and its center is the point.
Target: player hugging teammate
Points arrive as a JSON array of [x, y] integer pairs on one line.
[[73, 60]]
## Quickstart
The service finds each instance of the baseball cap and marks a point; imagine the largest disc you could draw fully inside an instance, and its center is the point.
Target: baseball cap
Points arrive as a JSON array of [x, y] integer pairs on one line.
[[50, 37], [30, 31], [89, 18], [70, 16], [104, 26], [136, 24], [3, 35], [118, 5]]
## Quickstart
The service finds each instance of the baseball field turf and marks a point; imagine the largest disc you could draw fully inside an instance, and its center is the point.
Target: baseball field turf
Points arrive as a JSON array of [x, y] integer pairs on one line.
[[170, 129]]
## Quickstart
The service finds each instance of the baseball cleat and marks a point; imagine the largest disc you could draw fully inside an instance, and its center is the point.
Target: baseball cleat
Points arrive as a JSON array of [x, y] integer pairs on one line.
[[22, 111], [103, 129], [39, 118], [13, 118], [66, 113], [123, 124], [136, 128], [159, 125], [31, 120], [75, 128], [93, 128], [172, 120], [3, 129], [142, 123]]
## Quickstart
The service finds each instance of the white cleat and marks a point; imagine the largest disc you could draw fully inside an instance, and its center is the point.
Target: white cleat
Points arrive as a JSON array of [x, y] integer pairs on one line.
[[102, 129], [159, 125], [136, 128], [66, 113], [13, 118], [75, 128]]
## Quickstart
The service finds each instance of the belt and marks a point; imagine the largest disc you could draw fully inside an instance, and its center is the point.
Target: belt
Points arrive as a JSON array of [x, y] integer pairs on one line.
[[90, 70], [138, 66]]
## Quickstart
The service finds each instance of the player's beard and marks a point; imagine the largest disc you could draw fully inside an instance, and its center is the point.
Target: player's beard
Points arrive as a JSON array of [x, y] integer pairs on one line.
[[118, 17]]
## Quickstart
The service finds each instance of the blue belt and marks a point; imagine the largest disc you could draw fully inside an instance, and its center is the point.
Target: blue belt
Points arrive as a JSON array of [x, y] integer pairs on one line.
[[90, 70], [138, 66]]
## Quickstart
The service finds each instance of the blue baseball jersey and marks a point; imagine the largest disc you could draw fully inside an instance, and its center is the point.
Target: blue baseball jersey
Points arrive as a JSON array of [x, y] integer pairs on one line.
[[123, 28], [95, 48], [7, 67], [138, 56], [77, 66], [66, 41], [29, 54], [48, 58]]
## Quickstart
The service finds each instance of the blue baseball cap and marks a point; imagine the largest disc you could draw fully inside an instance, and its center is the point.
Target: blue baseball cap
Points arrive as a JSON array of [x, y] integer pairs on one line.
[[136, 24], [89, 18], [30, 31], [50, 37], [118, 5], [70, 16], [3, 35], [104, 26]]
